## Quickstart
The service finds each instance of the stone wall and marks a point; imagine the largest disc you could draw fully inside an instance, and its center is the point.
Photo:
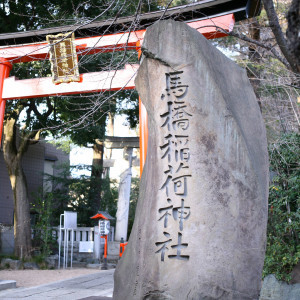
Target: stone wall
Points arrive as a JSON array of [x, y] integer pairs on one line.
[[273, 289]]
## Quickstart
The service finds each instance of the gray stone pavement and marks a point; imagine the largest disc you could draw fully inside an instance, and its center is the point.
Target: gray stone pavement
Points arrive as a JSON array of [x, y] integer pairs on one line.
[[95, 286]]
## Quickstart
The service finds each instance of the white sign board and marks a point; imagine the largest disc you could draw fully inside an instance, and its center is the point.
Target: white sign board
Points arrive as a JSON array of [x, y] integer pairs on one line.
[[104, 227], [70, 219], [86, 247]]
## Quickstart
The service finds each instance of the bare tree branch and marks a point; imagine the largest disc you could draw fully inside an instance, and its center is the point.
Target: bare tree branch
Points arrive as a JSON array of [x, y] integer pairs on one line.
[[268, 47], [245, 38], [279, 36]]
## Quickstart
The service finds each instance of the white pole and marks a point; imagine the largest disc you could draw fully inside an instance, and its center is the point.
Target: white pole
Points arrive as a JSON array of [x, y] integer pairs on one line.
[[59, 241], [67, 252], [65, 246], [72, 243], [59, 246]]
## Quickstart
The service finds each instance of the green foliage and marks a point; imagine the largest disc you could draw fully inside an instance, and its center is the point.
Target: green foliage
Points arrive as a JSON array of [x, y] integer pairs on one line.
[[63, 144], [83, 117], [109, 197], [25, 15], [77, 194], [43, 239], [283, 248], [129, 105], [11, 256]]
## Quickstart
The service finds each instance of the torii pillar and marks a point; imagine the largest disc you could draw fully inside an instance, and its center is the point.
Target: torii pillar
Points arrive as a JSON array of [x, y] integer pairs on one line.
[[5, 68]]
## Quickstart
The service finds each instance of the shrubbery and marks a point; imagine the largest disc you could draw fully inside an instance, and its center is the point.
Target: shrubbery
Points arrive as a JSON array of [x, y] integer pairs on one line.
[[283, 249]]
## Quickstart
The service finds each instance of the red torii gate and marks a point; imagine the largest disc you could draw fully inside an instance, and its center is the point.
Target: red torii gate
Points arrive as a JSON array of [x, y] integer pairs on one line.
[[12, 88]]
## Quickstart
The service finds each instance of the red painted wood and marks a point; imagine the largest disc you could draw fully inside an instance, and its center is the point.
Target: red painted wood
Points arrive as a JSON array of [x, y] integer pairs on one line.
[[99, 216], [40, 87], [143, 134], [215, 27], [89, 82], [84, 46], [5, 68], [111, 42]]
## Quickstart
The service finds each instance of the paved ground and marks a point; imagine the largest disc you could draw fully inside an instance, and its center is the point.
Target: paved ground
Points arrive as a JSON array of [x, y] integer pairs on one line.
[[30, 278], [95, 286]]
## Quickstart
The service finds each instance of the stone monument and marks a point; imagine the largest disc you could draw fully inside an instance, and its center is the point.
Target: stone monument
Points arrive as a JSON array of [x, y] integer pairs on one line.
[[200, 226]]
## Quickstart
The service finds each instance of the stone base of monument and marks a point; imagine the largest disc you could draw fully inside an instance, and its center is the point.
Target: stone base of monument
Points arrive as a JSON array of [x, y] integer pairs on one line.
[[7, 284]]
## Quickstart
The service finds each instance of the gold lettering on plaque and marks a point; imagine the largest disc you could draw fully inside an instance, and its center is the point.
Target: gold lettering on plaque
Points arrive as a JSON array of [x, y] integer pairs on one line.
[[63, 58]]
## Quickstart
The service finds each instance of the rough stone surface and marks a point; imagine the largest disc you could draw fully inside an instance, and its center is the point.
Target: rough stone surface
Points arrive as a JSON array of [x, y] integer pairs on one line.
[[11, 263], [113, 248], [52, 261], [113, 251], [296, 274], [273, 289], [31, 266], [200, 226]]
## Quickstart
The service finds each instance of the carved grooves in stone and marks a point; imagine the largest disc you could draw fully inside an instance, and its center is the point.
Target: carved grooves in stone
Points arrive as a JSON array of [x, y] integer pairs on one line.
[[149, 54]]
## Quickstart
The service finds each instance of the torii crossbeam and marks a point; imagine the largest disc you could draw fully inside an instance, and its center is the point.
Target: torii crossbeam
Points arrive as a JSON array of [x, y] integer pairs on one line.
[[12, 88]]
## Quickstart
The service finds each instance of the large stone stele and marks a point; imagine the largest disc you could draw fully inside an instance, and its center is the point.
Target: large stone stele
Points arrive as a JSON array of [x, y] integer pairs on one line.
[[200, 226]]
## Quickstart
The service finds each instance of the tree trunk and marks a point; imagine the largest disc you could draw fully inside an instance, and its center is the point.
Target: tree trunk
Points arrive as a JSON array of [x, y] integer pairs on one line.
[[22, 228], [277, 31], [110, 131], [13, 160], [97, 169], [293, 34]]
